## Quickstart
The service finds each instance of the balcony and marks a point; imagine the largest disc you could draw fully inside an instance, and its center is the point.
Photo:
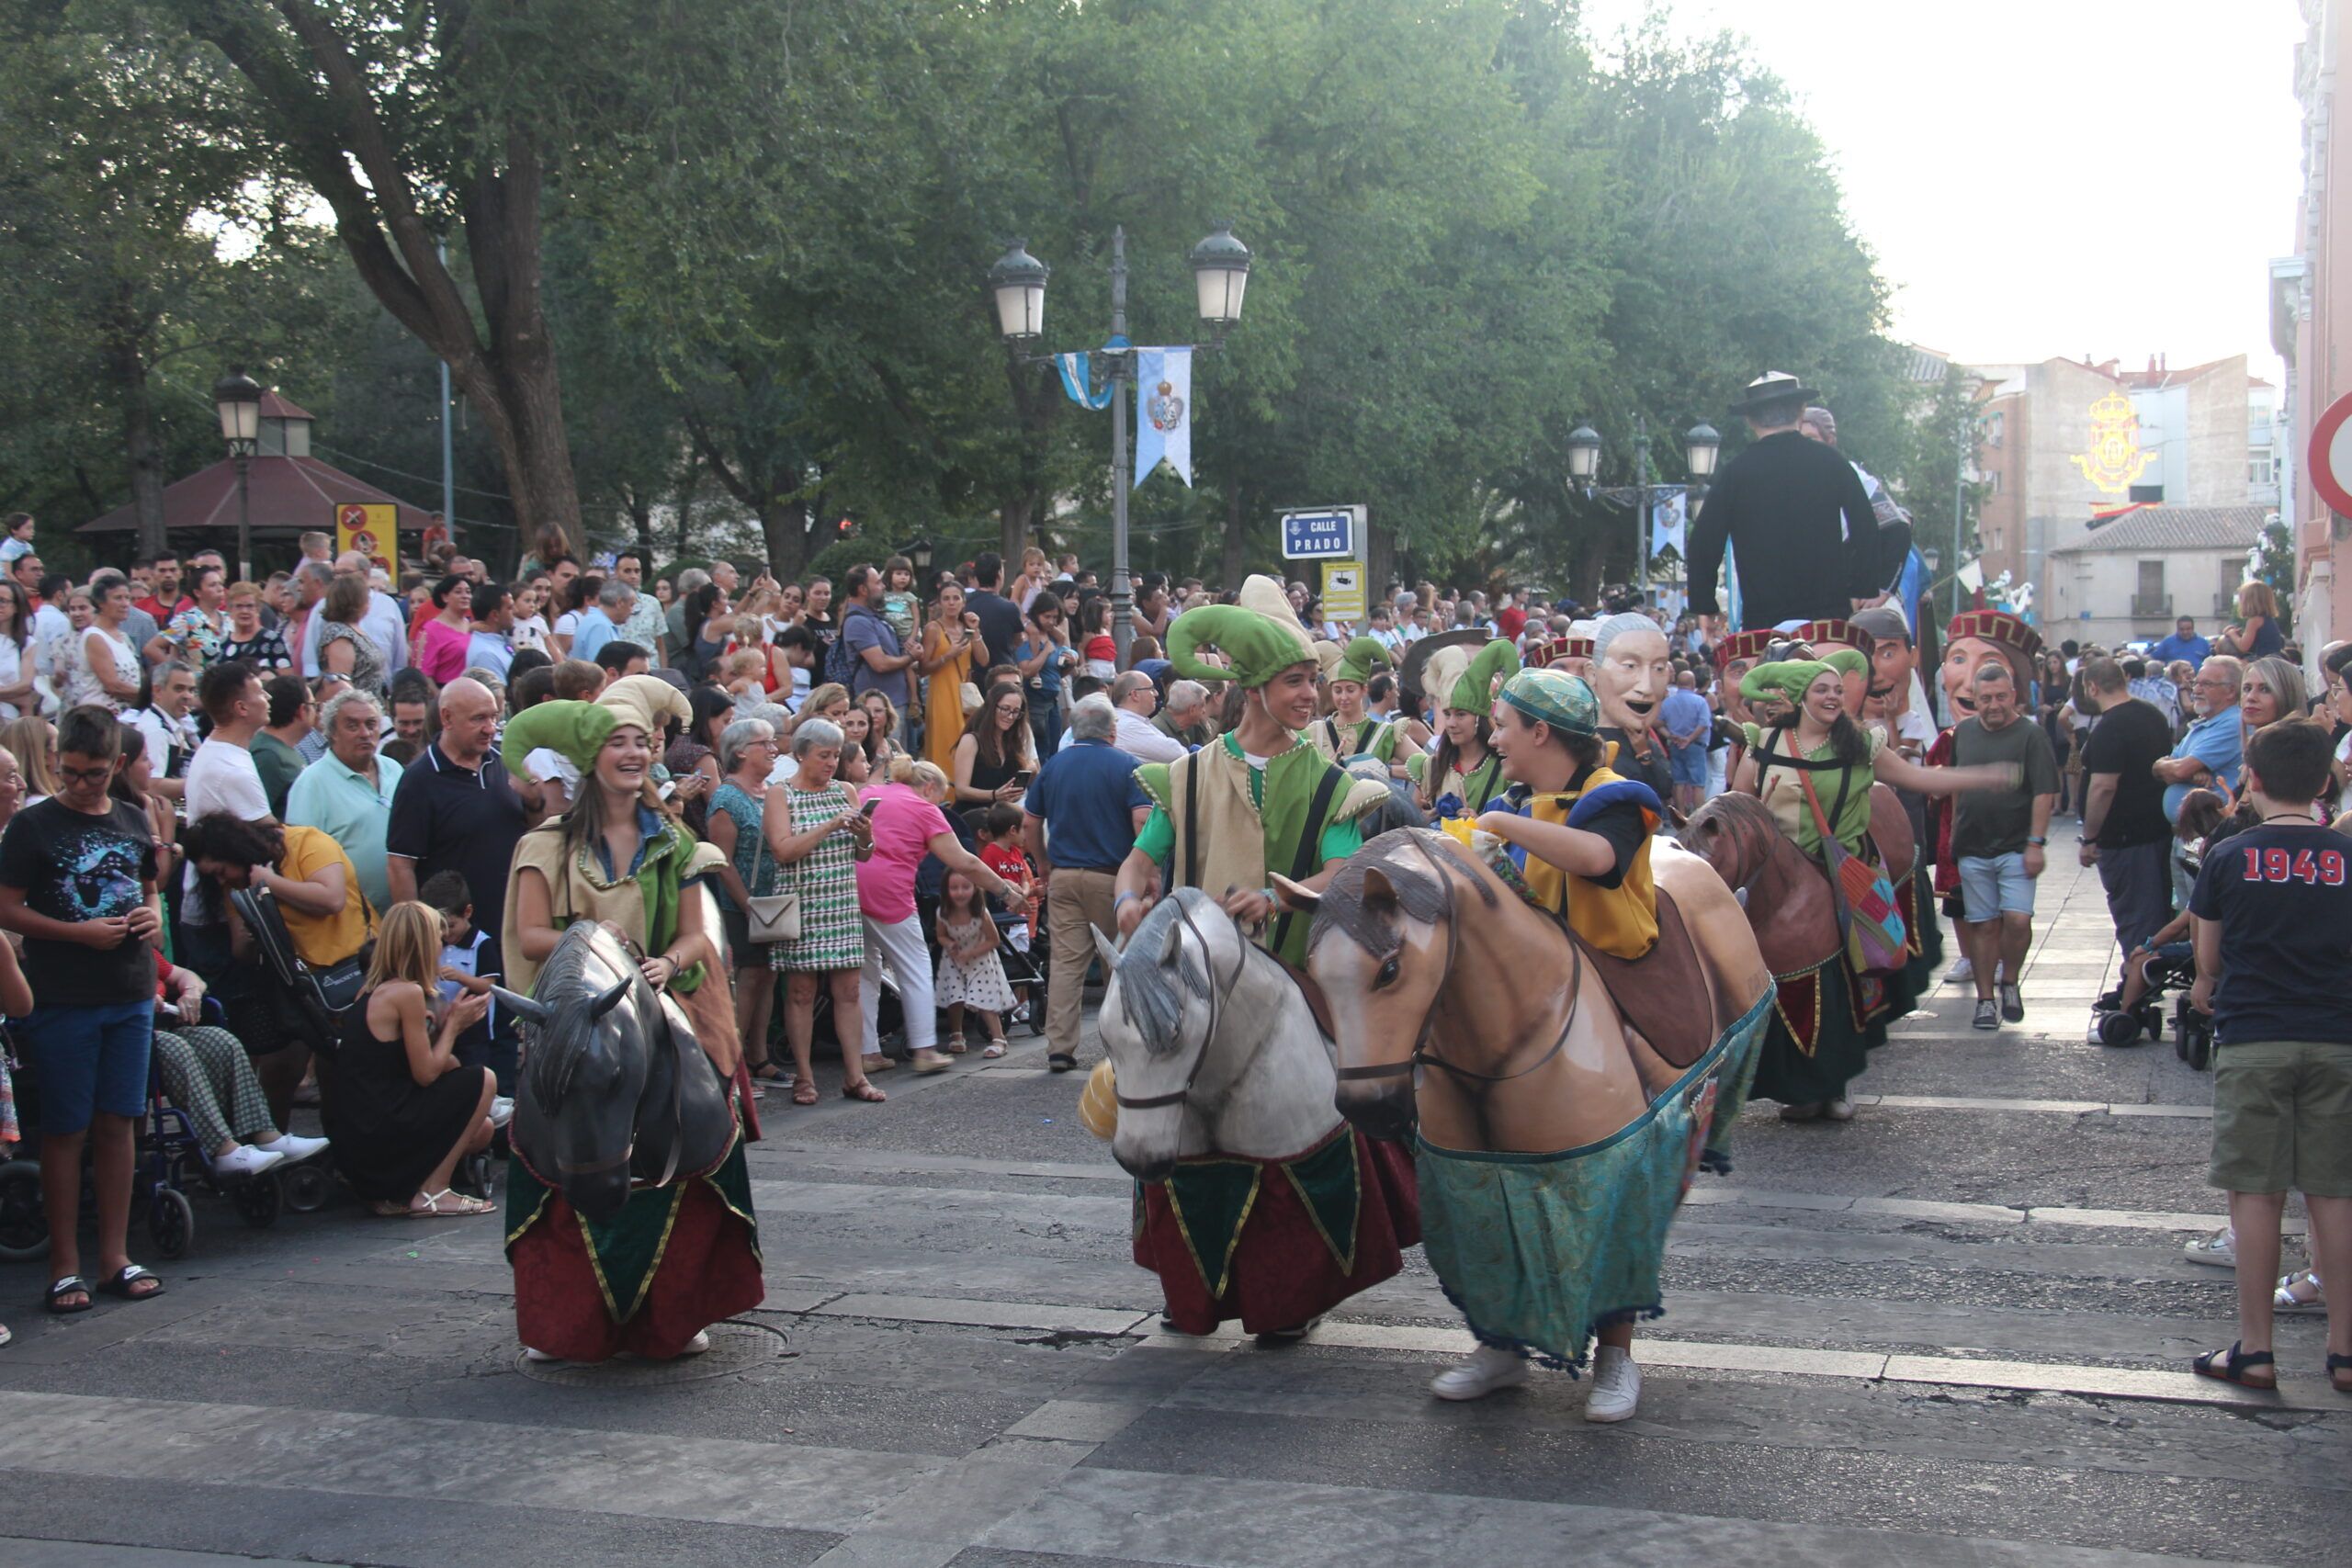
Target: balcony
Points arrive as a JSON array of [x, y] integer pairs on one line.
[[2151, 606]]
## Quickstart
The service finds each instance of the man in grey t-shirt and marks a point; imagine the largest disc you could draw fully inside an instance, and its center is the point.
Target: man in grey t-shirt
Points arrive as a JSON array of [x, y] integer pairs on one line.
[[1997, 838]]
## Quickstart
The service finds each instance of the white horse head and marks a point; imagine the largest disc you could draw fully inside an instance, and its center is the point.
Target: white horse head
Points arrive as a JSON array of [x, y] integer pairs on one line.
[[1212, 1044]]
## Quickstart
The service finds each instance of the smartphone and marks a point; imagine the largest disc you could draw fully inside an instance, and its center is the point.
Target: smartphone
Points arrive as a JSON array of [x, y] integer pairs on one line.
[[1021, 780], [866, 810]]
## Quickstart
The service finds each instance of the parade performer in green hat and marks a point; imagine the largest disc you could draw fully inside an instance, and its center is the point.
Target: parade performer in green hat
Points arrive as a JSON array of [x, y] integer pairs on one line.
[[1257, 801], [1347, 730], [685, 1254], [1466, 772]]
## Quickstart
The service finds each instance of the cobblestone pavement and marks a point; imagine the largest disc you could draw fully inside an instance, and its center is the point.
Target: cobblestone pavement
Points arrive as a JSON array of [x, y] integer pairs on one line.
[[1953, 1331]]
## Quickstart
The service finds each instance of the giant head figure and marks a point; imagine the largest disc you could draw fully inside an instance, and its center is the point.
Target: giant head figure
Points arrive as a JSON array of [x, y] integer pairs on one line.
[[1976, 636], [1631, 671], [1734, 656]]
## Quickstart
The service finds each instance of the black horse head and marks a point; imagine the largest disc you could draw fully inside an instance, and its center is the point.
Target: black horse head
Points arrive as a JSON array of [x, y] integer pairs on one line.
[[614, 1088]]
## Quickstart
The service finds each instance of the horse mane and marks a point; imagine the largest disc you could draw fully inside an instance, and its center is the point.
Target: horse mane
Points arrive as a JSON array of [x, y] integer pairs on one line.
[[562, 1042], [1147, 990], [1421, 892]]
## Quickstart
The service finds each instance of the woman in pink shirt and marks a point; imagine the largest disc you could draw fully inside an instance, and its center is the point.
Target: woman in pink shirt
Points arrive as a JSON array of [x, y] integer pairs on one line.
[[440, 651], [908, 825]]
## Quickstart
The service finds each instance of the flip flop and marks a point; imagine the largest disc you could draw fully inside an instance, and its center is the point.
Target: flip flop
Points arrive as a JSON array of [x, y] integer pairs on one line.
[[121, 1281], [58, 1289]]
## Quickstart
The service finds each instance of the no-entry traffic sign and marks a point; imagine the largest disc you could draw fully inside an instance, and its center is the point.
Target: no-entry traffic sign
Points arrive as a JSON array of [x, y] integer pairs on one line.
[[2331, 454]]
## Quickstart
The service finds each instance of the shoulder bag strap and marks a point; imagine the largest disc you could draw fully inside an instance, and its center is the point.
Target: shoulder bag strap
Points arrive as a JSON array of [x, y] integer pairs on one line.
[[1191, 787], [1310, 842]]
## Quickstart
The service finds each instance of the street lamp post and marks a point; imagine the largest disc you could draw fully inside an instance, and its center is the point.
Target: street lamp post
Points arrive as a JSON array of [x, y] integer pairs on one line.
[[1701, 443], [236, 398], [1220, 276]]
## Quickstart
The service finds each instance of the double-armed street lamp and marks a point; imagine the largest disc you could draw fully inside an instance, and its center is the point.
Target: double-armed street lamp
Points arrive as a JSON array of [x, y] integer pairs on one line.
[[1220, 276], [236, 398], [1699, 447]]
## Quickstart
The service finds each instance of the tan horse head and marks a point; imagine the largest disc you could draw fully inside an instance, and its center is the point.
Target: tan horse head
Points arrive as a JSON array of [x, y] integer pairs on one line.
[[1788, 897]]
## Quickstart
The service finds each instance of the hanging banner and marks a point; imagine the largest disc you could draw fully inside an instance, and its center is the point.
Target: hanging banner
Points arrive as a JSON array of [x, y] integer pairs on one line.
[[1075, 374], [1668, 513], [1164, 411], [370, 529]]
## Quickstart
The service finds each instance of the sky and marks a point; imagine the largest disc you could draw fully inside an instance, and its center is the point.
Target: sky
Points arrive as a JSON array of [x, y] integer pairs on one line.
[[2042, 178]]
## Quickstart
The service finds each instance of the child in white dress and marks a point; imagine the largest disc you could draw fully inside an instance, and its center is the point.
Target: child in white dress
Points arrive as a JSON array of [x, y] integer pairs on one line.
[[969, 973]]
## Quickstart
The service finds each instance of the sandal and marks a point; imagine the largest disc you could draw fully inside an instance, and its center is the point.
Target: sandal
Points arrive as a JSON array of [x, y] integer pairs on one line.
[[73, 1284], [768, 1072], [2339, 1371], [957, 1049], [2245, 1368], [805, 1092], [996, 1048], [446, 1204], [2288, 1296], [122, 1280], [865, 1091]]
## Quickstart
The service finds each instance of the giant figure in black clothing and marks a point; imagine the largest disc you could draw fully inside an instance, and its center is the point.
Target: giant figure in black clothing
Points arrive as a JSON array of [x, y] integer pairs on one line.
[[1803, 532]]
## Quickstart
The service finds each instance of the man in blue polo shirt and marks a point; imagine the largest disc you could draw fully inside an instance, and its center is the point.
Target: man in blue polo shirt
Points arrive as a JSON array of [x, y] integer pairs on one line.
[[2184, 643], [1079, 821], [2212, 747]]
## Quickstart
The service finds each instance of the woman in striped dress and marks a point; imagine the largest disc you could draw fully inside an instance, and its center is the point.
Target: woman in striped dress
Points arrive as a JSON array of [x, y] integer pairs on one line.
[[817, 835]]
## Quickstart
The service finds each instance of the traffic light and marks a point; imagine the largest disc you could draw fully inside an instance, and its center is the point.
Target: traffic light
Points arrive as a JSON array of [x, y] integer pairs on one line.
[[845, 529]]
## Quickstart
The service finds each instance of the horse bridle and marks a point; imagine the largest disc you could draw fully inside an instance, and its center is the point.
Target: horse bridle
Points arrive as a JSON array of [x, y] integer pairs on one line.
[[1216, 1016], [1423, 1052]]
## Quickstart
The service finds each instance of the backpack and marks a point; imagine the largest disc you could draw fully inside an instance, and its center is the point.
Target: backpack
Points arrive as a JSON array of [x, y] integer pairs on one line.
[[840, 660]]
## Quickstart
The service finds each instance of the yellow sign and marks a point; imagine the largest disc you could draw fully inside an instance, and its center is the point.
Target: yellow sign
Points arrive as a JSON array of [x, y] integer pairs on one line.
[[371, 528], [2116, 459], [1343, 590]]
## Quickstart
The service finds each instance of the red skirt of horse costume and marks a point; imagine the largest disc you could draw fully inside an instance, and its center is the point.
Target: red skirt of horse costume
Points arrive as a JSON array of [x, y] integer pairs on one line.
[[678, 1258], [1277, 1242]]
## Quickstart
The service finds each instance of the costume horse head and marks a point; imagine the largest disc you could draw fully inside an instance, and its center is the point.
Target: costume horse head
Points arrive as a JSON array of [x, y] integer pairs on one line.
[[615, 1090], [1212, 1043], [1432, 962], [1787, 893]]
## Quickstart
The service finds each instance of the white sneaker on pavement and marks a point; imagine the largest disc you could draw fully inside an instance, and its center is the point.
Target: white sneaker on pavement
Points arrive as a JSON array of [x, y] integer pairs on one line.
[[247, 1160], [2220, 1249], [1961, 972], [502, 1110], [294, 1148], [535, 1355], [1479, 1373], [698, 1343], [1616, 1385], [1838, 1110]]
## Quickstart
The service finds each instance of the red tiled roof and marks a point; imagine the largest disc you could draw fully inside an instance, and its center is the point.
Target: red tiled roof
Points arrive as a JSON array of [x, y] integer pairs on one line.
[[287, 495]]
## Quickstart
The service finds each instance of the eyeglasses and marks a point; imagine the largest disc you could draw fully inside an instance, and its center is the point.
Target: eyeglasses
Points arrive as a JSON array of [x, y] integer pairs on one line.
[[86, 775]]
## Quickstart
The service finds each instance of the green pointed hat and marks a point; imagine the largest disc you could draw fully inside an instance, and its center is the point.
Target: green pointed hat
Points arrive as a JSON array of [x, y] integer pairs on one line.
[[1475, 689], [1791, 678], [1259, 636], [1362, 656], [577, 732]]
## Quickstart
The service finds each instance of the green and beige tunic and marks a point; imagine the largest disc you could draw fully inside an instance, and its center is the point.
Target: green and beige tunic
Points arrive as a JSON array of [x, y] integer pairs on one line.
[[1367, 737], [1221, 819]]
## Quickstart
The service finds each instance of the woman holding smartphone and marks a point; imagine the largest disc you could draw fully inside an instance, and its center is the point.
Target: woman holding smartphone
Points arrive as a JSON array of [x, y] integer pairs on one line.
[[951, 650]]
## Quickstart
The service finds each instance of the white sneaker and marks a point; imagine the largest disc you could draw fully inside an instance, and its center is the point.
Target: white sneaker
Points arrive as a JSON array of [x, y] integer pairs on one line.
[[502, 1110], [529, 1354], [2220, 1249], [247, 1160], [1616, 1385], [294, 1148], [1961, 972], [698, 1343], [1837, 1109], [1479, 1373]]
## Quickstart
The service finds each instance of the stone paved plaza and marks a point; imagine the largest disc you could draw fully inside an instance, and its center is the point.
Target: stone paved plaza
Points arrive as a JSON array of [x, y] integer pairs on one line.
[[1955, 1331]]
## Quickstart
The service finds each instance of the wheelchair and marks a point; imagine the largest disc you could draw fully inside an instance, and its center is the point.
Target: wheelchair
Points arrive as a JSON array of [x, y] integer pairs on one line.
[[167, 1162]]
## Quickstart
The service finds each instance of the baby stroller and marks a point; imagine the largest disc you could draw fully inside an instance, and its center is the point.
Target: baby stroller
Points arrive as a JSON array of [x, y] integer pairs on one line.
[[2171, 967], [1028, 968]]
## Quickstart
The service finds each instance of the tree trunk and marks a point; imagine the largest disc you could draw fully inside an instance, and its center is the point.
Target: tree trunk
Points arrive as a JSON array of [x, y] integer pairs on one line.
[[1236, 540], [784, 527], [141, 452], [1013, 523], [1378, 553]]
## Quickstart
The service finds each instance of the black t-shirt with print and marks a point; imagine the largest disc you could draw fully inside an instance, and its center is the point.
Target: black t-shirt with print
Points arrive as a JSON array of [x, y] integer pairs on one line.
[[2285, 906], [76, 867]]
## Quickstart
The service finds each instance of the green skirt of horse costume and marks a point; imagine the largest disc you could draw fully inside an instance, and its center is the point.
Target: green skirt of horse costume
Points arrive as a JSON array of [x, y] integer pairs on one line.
[[1540, 1252]]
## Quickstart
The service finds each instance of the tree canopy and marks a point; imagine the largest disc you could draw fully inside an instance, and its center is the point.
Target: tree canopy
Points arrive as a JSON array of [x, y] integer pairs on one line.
[[715, 273]]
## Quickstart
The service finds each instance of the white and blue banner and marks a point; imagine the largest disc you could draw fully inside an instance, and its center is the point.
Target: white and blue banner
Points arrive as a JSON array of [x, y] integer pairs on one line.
[[1075, 374], [1163, 411], [1668, 514]]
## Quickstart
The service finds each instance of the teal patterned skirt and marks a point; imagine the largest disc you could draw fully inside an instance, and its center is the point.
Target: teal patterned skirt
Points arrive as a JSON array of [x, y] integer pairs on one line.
[[1540, 1252]]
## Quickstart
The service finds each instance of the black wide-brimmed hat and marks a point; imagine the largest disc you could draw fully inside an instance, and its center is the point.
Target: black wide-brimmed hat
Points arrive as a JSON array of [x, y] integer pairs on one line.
[[1774, 387]]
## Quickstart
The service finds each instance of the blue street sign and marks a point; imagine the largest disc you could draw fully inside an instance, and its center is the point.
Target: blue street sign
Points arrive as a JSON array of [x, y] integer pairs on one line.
[[1327, 534]]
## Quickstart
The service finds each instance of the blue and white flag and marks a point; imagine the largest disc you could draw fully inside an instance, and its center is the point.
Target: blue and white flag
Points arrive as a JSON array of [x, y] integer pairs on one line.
[[1075, 374], [1668, 515], [1164, 411]]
